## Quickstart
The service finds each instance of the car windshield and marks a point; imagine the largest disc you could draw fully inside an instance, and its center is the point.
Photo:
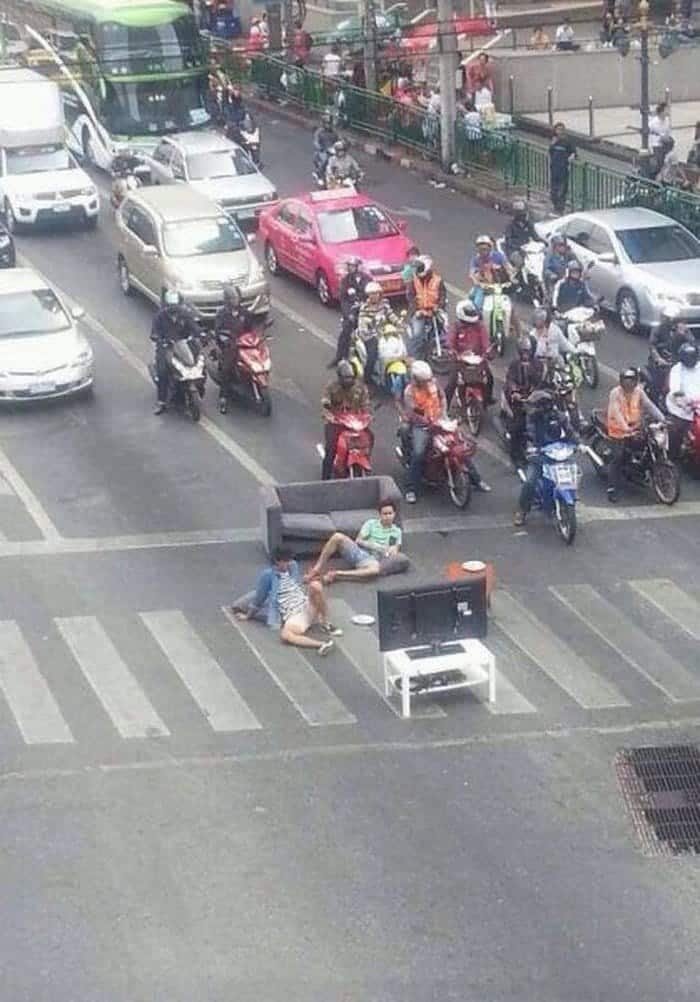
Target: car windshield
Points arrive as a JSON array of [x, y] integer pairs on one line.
[[659, 244], [38, 160], [364, 222], [202, 236], [224, 163], [37, 311]]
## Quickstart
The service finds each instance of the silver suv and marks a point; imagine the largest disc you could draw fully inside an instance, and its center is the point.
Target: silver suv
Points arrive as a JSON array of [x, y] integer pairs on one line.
[[177, 238], [212, 164]]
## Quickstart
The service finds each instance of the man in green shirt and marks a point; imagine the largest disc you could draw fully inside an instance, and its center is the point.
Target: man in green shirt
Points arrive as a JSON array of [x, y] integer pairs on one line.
[[374, 551]]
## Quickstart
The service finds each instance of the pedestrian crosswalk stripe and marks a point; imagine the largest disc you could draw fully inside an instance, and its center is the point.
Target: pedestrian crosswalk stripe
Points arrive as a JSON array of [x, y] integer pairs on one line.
[[681, 608], [553, 656], [508, 699], [205, 680], [111, 681], [631, 643], [38, 717], [290, 670], [361, 648]]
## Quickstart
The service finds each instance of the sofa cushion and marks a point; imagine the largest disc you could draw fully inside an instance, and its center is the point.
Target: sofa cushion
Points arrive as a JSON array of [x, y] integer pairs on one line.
[[323, 495], [307, 525], [350, 520]]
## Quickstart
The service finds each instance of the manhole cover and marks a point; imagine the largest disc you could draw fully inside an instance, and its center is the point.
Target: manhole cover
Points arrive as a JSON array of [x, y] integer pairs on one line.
[[661, 787]]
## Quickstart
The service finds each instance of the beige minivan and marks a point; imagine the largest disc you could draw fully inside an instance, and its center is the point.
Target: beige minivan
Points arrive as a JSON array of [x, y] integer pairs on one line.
[[174, 237]]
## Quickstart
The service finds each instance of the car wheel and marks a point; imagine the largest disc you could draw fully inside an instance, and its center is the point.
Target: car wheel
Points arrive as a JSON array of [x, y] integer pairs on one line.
[[88, 148], [273, 265], [628, 311], [10, 218], [323, 289], [124, 276]]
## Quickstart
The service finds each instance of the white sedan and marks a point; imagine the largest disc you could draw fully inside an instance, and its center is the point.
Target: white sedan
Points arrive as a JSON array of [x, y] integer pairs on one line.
[[42, 353]]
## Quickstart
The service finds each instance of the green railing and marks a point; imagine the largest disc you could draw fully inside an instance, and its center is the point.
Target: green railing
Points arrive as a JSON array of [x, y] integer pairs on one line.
[[516, 162]]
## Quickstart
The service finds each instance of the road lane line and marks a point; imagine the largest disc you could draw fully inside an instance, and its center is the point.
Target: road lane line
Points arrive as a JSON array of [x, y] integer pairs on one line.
[[361, 648], [207, 683], [37, 714], [293, 674], [552, 655], [301, 322], [26, 495], [111, 681], [676, 604], [631, 643], [509, 699], [5, 488]]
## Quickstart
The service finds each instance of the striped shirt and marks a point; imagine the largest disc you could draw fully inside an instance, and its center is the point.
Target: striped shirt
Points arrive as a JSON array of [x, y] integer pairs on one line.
[[290, 597]]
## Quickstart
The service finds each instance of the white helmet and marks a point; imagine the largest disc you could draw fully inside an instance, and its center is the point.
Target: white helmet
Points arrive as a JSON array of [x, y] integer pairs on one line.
[[421, 372], [483, 238], [372, 287], [466, 311]]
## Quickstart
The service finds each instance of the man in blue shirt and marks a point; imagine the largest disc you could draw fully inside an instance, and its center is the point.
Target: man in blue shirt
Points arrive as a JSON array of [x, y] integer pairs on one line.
[[487, 267]]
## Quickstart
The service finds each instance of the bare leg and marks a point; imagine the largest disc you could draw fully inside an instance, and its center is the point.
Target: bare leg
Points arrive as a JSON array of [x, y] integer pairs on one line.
[[290, 635], [368, 570], [317, 601], [329, 550]]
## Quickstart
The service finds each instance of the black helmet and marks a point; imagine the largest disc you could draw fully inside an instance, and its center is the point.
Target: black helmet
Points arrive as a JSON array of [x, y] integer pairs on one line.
[[688, 355], [345, 373], [232, 296], [524, 346], [553, 426]]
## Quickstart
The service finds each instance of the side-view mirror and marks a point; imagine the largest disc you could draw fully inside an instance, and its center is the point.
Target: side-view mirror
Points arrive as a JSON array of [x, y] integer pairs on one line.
[[77, 312], [150, 251], [607, 258], [402, 225]]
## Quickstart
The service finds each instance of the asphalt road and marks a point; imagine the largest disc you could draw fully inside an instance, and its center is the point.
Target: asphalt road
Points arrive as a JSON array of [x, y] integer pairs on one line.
[[188, 811]]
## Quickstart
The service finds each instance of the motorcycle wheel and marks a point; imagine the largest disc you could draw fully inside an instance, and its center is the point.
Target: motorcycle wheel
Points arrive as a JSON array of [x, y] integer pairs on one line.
[[192, 402], [565, 521], [598, 446], [474, 415], [264, 404], [666, 482], [460, 489], [499, 338], [589, 370]]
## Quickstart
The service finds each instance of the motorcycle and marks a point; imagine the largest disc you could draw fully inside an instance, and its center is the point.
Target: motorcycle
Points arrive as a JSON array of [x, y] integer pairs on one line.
[[499, 309], [690, 445], [434, 340], [353, 451], [391, 372], [469, 401], [128, 173], [646, 461], [349, 181], [446, 460], [557, 484], [250, 141], [510, 427], [251, 374], [583, 330], [187, 376]]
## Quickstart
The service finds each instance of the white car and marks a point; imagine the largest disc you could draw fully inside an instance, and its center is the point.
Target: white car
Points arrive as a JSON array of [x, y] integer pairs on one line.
[[42, 352]]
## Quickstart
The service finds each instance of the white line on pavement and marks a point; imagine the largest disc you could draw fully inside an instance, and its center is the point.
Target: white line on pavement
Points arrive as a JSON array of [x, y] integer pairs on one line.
[[28, 696], [146, 541], [28, 498], [673, 602], [301, 322], [5, 488]]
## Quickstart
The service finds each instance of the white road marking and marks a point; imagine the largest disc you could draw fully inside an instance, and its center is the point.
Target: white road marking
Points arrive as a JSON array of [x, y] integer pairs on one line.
[[115, 544], [110, 679], [26, 495], [302, 322], [294, 675], [5, 488], [37, 714], [681, 608], [509, 700], [207, 683], [361, 647], [552, 655], [631, 643]]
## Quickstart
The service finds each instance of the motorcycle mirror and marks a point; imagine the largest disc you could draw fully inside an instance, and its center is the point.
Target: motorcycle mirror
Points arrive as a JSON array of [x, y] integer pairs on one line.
[[251, 238]]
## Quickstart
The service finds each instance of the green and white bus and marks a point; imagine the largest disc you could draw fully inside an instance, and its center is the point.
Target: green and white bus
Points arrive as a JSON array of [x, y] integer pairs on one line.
[[137, 68]]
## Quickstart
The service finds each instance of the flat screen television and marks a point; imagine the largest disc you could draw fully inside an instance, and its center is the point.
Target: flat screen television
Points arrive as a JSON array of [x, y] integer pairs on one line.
[[431, 614]]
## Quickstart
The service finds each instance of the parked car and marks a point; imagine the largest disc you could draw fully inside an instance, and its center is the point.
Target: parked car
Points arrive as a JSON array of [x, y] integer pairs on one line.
[[42, 352], [313, 235], [208, 162], [639, 260], [176, 238]]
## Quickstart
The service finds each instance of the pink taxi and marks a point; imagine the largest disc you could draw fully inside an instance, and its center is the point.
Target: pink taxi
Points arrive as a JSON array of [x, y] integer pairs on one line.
[[313, 235]]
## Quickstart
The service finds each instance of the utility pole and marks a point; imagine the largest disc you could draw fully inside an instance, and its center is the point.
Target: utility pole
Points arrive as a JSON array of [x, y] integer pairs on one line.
[[644, 62], [288, 25], [369, 34], [447, 47]]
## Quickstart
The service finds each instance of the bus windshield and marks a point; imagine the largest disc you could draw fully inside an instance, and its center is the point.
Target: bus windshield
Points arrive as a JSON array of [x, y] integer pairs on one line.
[[143, 108], [159, 48]]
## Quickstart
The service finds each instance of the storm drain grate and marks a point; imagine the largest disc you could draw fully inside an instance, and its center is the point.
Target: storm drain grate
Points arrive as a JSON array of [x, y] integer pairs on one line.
[[661, 787]]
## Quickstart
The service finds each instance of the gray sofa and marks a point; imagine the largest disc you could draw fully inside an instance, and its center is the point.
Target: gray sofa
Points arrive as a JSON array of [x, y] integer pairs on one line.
[[302, 516]]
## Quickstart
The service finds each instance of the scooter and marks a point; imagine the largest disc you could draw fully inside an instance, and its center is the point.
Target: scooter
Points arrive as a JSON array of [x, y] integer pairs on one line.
[[353, 450], [350, 181], [250, 141], [391, 373], [187, 376], [583, 330], [469, 401], [499, 312], [646, 460], [434, 338], [446, 459], [555, 491], [251, 375], [128, 173]]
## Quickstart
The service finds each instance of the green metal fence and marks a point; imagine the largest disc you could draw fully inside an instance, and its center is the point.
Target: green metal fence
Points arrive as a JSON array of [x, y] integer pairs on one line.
[[516, 162]]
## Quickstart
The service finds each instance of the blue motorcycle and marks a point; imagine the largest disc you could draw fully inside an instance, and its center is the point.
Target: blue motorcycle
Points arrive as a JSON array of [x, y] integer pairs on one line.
[[555, 492]]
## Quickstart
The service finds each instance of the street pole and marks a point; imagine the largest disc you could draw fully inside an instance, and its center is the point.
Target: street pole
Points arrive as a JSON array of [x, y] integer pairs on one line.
[[288, 25], [644, 62], [447, 47], [369, 32]]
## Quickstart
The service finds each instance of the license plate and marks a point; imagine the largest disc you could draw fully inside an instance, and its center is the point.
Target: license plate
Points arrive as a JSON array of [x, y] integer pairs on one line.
[[586, 348], [61, 208], [38, 388], [392, 285], [246, 213], [564, 475]]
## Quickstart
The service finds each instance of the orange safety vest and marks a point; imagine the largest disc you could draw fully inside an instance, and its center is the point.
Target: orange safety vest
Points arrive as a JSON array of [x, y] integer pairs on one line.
[[628, 407], [427, 399], [427, 293]]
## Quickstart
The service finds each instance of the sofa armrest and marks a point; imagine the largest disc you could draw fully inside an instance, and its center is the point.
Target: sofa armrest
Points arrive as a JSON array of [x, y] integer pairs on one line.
[[271, 518]]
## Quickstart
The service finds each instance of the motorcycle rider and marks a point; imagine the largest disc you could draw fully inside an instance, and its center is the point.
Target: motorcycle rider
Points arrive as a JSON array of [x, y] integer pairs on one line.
[[665, 342], [571, 291], [425, 294], [341, 165], [345, 393], [174, 321], [556, 260], [351, 295], [487, 267], [683, 391], [325, 138], [524, 375], [628, 405], [124, 177], [424, 403], [375, 312], [519, 231], [234, 109], [550, 342], [546, 422], [232, 320], [468, 334]]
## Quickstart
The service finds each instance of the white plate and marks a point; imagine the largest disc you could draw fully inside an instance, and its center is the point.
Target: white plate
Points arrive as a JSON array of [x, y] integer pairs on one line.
[[473, 566], [363, 620]]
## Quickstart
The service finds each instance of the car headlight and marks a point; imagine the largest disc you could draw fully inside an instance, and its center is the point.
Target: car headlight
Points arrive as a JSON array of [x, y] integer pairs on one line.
[[84, 358], [668, 297], [24, 199], [271, 196], [89, 191]]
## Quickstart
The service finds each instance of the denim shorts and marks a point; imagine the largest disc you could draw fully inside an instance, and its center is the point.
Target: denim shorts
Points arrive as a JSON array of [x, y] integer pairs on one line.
[[355, 555]]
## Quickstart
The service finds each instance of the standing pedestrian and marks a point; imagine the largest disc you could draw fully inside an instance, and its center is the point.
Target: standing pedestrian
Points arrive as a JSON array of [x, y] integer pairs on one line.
[[660, 138], [561, 154]]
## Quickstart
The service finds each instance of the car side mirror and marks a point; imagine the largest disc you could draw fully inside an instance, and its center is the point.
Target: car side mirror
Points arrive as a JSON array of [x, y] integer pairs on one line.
[[607, 258], [402, 225], [77, 312], [150, 251]]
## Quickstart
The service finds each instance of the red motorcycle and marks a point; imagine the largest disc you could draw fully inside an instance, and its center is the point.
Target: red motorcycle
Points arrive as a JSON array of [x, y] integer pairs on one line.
[[690, 446], [469, 401], [251, 372], [446, 461], [353, 451]]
